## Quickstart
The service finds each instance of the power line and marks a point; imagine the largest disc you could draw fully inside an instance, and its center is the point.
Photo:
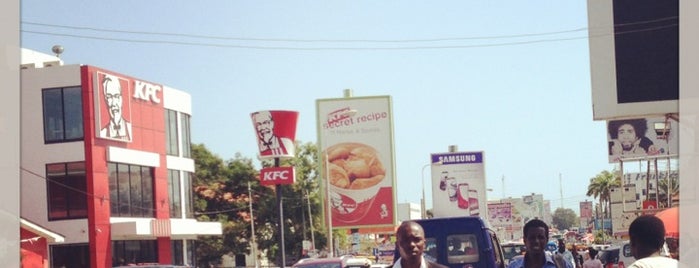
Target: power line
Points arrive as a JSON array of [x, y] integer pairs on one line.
[[306, 40], [262, 47], [338, 40]]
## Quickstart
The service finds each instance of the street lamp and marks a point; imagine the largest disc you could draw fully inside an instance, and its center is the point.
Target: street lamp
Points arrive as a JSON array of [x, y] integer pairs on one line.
[[422, 203]]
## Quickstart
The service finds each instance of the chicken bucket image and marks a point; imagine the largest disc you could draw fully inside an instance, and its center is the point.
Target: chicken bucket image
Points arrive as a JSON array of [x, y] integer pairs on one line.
[[356, 175], [275, 132]]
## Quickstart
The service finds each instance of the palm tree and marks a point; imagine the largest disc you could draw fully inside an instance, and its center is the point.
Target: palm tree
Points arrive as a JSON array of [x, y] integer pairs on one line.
[[663, 189], [600, 187]]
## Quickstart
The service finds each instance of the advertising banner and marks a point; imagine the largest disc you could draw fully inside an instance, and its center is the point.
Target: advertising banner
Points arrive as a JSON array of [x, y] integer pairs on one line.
[[458, 184], [500, 214], [275, 132], [639, 137], [356, 151], [586, 209]]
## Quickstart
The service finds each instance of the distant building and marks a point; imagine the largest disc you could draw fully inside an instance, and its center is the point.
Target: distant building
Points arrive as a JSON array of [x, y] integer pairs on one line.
[[106, 168], [507, 216], [408, 211]]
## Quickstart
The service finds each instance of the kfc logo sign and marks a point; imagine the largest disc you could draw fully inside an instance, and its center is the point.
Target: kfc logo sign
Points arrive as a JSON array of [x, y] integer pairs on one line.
[[147, 91], [277, 175]]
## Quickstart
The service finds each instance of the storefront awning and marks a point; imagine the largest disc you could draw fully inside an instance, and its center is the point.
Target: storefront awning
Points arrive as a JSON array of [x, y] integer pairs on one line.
[[125, 229], [51, 237]]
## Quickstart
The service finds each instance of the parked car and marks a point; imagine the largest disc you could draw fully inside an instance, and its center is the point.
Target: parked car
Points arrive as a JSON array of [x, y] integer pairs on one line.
[[511, 250], [346, 261]]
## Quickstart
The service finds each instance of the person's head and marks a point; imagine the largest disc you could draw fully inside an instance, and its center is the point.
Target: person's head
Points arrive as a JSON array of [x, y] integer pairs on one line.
[[264, 125], [536, 234], [627, 132], [646, 236], [455, 243], [410, 239], [112, 96]]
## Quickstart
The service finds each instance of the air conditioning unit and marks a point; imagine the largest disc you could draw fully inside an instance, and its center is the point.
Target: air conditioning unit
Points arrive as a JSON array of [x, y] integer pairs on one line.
[[52, 63]]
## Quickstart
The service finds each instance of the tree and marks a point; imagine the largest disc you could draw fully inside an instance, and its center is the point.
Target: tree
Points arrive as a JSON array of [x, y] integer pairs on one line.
[[600, 187], [221, 194], [564, 218], [663, 189]]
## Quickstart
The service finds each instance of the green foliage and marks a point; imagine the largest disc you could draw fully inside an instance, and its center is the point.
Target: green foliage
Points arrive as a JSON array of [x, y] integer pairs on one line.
[[221, 194], [564, 218], [600, 187], [601, 237]]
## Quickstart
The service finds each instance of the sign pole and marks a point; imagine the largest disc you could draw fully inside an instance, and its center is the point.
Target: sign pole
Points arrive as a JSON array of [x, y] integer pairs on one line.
[[278, 189]]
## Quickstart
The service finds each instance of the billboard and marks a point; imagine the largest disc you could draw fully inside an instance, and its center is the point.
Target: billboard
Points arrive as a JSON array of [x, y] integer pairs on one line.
[[640, 137], [356, 154], [500, 214], [458, 184], [275, 133], [634, 57], [586, 209]]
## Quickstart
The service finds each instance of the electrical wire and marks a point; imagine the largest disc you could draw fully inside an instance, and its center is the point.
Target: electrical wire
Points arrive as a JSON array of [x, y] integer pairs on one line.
[[426, 47]]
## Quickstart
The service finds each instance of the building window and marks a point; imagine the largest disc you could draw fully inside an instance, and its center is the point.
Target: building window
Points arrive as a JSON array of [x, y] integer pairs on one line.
[[177, 184], [171, 132], [67, 188], [132, 252], [186, 137], [131, 190], [188, 195], [178, 252], [63, 114], [73, 255], [173, 185]]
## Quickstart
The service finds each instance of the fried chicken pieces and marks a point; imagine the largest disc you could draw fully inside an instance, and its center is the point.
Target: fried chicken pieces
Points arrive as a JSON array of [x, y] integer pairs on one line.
[[354, 166]]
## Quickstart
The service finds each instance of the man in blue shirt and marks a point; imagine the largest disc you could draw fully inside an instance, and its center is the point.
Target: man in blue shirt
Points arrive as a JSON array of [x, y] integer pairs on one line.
[[536, 235]]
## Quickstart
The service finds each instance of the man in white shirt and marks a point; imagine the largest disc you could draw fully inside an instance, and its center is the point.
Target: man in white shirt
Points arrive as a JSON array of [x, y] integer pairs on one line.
[[647, 236], [410, 240]]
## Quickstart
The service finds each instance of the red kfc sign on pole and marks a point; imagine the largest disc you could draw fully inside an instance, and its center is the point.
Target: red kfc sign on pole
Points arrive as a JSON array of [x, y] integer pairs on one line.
[[277, 175], [276, 132]]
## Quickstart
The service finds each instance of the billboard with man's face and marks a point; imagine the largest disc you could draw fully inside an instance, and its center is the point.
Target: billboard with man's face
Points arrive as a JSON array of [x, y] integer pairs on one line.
[[641, 137], [275, 132], [356, 154]]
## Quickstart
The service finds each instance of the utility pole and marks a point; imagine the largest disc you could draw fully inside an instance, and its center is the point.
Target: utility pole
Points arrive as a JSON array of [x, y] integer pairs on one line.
[[503, 187], [310, 220], [252, 227], [560, 185]]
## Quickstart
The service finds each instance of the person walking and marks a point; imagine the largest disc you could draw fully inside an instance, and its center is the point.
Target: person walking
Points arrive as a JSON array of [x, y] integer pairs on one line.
[[592, 262], [536, 235], [646, 237]]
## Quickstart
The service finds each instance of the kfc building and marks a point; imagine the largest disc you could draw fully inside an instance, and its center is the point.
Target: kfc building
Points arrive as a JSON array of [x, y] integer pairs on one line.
[[106, 167]]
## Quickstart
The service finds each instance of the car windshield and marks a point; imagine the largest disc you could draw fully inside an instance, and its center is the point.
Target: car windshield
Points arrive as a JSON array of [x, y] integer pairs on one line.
[[510, 251]]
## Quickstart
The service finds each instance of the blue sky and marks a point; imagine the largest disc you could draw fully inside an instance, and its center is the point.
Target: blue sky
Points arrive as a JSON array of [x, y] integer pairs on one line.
[[509, 78]]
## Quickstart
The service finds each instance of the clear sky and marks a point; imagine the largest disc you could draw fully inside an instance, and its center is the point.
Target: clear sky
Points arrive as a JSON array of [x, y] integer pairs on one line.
[[510, 78]]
